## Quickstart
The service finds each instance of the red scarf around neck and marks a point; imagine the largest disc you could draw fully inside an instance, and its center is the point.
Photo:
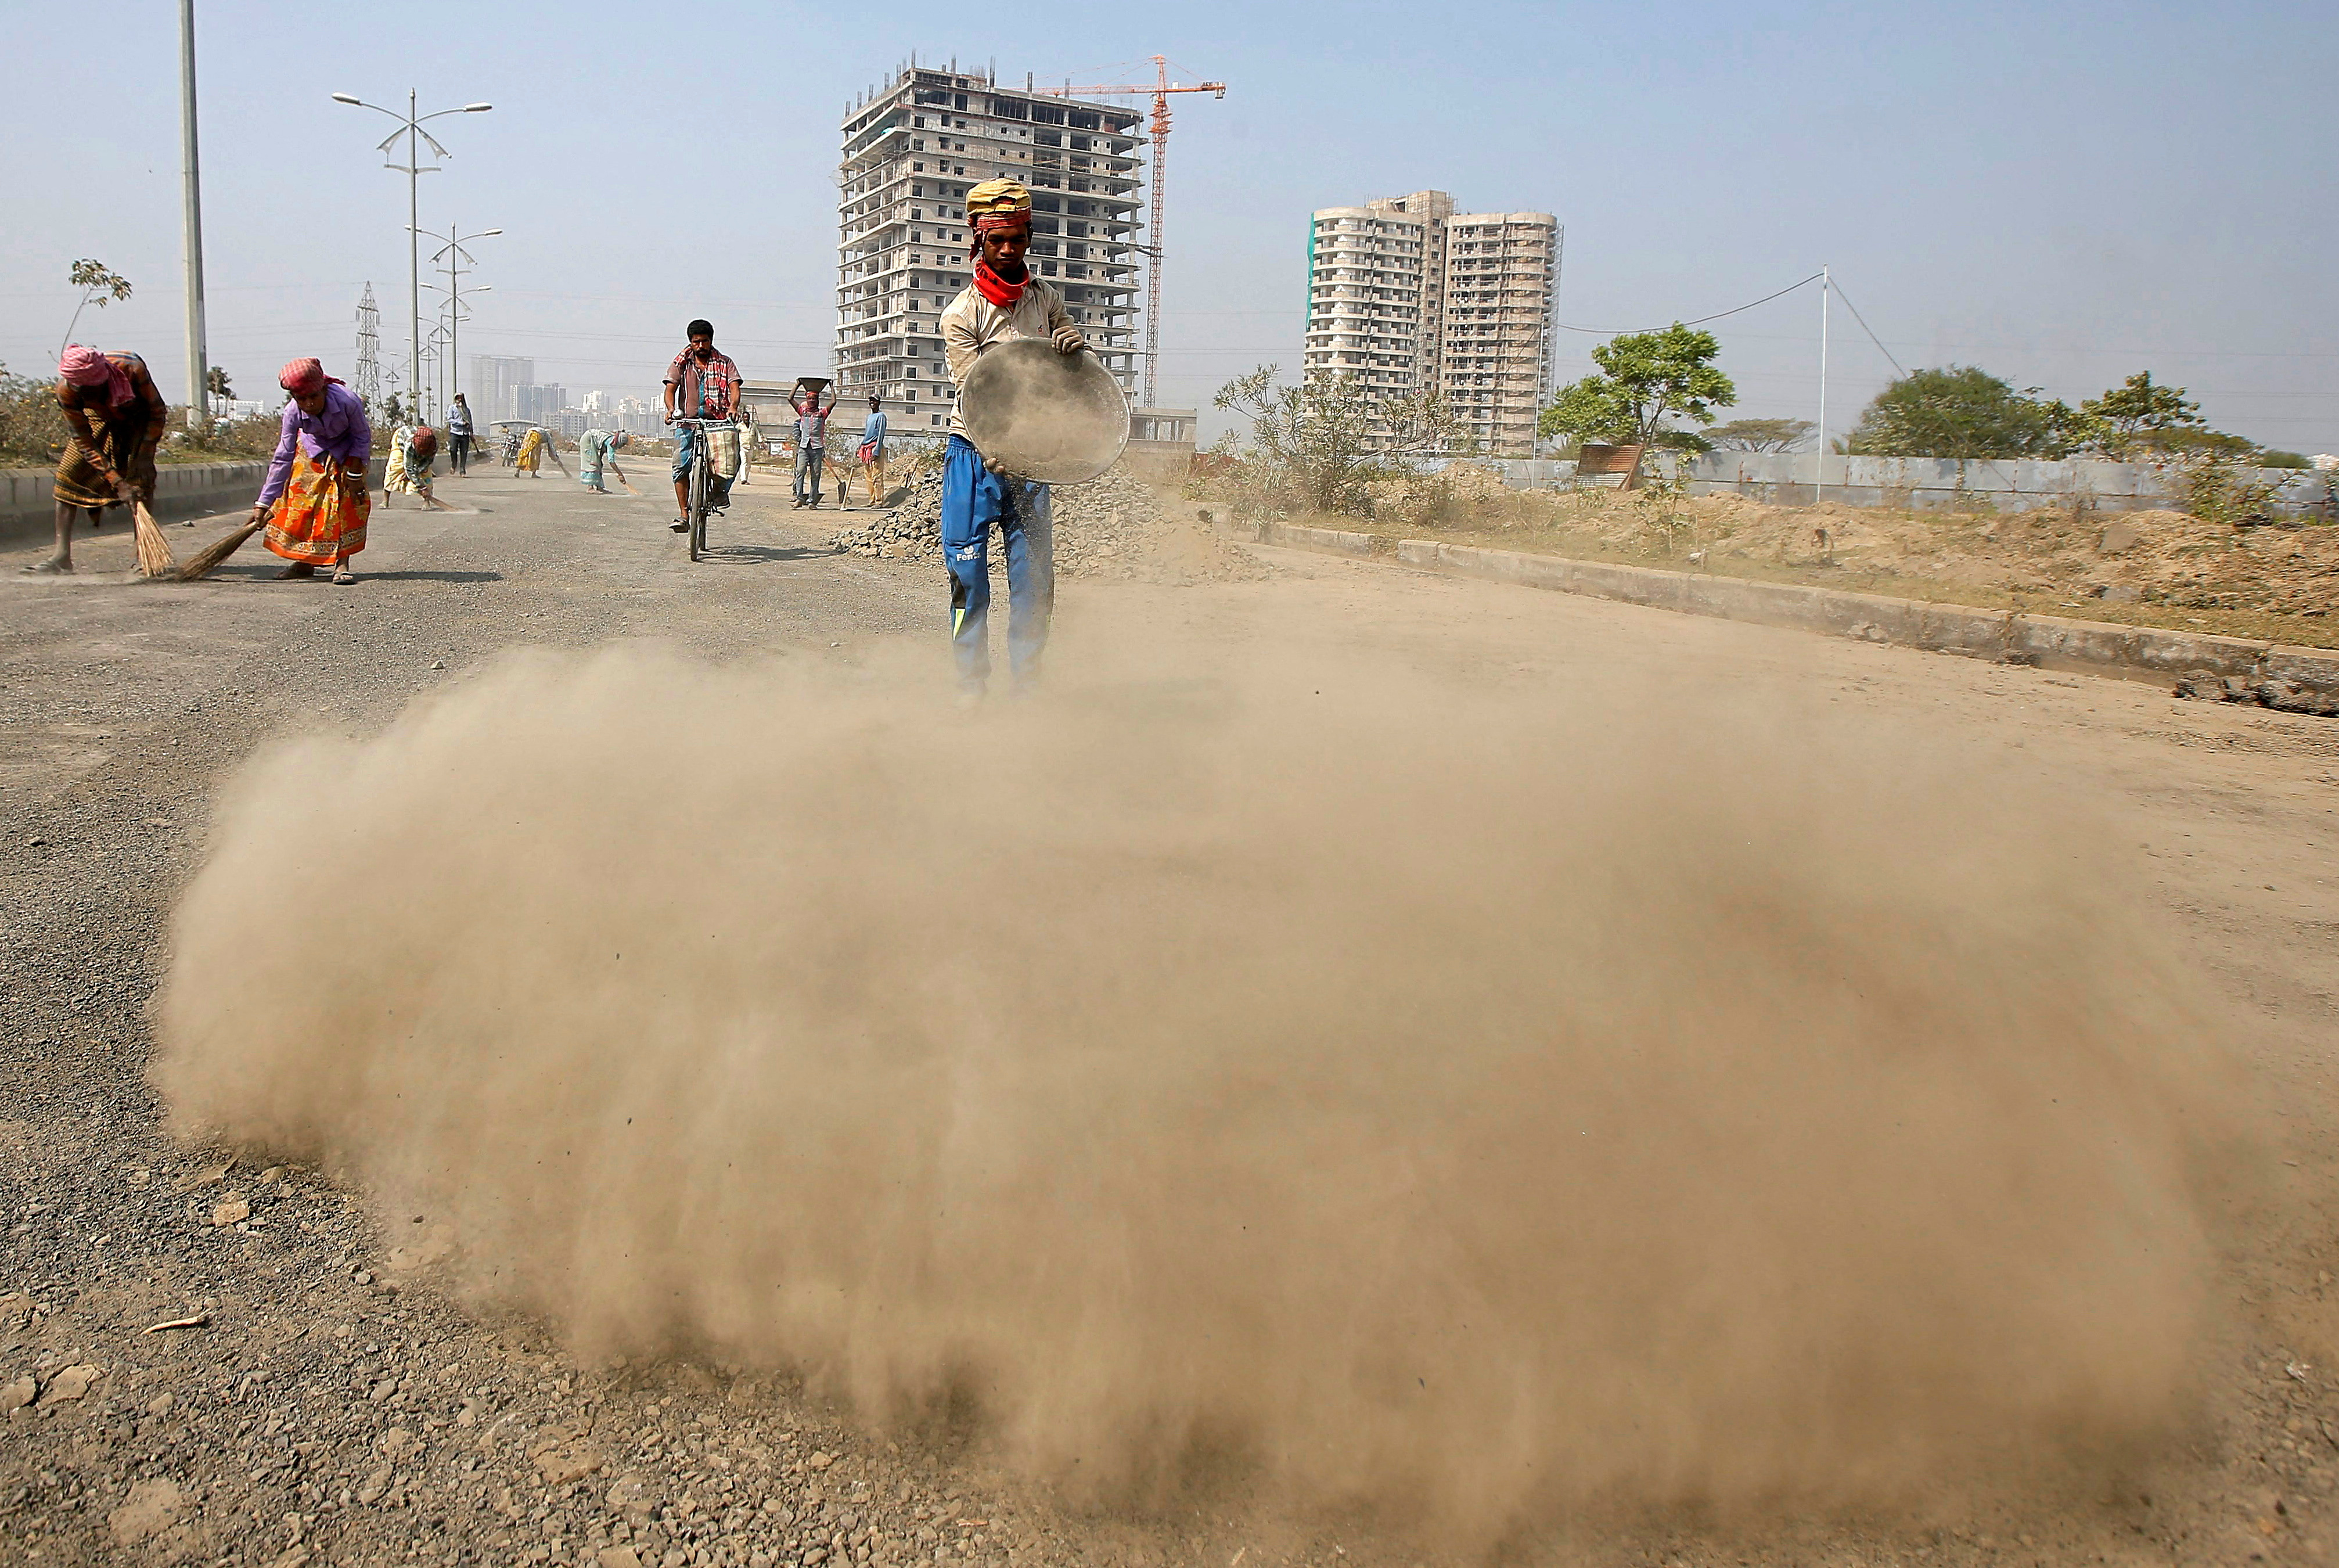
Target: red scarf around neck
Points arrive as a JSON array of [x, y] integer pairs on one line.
[[998, 289]]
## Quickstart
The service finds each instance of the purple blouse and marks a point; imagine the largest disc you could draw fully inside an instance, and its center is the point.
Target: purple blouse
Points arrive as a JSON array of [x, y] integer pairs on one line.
[[341, 431]]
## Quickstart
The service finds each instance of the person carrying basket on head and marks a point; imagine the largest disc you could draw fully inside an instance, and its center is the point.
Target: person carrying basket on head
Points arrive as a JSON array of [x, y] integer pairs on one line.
[[1003, 302]]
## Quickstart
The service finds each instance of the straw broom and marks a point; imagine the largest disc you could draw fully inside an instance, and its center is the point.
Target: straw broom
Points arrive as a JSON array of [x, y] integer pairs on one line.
[[153, 550], [203, 565]]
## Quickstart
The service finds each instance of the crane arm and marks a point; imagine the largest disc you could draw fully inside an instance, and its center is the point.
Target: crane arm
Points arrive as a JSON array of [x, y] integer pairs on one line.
[[1149, 90]]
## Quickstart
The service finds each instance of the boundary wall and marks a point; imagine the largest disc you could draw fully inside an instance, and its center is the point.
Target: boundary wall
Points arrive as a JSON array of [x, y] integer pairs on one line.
[[29, 505], [1790, 479]]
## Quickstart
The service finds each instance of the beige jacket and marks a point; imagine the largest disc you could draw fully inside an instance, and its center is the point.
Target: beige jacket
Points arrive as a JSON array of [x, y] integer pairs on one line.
[[974, 323]]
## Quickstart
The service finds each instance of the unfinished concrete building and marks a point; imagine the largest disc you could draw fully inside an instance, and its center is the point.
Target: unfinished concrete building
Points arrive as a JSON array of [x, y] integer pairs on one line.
[[912, 149], [1406, 296]]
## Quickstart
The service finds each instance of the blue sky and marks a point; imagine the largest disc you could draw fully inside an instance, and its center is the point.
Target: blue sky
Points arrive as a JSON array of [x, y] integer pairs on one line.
[[2063, 194]]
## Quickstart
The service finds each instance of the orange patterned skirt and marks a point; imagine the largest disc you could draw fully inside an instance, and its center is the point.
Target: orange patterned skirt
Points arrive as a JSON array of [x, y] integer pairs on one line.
[[322, 516]]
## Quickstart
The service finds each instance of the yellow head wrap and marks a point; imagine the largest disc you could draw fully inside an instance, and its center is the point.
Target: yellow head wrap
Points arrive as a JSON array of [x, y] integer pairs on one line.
[[996, 199]]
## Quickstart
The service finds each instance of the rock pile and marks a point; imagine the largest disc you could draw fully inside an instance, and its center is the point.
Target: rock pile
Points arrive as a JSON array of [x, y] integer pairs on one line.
[[2290, 696], [1112, 528]]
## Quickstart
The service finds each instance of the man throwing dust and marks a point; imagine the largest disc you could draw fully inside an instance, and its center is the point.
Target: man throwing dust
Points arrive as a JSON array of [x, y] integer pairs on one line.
[[1004, 301]]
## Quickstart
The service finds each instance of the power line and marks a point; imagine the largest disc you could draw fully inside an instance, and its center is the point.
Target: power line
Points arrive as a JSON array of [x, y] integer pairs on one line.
[[1612, 331], [1866, 328]]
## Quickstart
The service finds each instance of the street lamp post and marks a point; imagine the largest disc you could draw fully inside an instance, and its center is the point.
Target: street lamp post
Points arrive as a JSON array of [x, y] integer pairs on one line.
[[453, 252], [199, 371], [433, 346], [410, 125], [453, 315]]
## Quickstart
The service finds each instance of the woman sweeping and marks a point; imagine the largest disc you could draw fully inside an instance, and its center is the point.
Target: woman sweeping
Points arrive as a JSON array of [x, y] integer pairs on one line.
[[412, 452], [316, 482], [393, 467], [112, 461], [531, 453]]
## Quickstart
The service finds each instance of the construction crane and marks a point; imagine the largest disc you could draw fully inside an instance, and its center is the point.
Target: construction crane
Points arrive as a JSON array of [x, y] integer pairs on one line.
[[1160, 93]]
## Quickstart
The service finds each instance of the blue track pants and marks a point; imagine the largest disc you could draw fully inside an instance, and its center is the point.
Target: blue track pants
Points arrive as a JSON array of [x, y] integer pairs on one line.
[[973, 499]]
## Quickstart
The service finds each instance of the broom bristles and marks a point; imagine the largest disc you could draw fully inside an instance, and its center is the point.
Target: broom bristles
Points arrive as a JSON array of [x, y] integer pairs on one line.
[[203, 564], [153, 550]]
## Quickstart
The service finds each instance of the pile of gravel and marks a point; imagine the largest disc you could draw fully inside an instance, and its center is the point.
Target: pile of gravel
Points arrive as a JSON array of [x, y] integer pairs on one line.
[[1112, 527]]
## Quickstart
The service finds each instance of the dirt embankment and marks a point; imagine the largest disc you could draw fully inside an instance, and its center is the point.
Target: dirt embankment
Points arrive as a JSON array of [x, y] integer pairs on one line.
[[2278, 580]]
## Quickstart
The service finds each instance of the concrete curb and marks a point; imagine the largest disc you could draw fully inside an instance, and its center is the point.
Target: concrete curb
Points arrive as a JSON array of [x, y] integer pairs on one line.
[[2134, 653], [28, 511]]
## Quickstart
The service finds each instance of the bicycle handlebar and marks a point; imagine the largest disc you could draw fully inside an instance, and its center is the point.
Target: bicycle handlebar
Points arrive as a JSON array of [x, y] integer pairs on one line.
[[678, 420]]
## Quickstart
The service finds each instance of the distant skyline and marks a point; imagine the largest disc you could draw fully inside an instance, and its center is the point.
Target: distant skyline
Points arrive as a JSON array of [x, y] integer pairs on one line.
[[2061, 194]]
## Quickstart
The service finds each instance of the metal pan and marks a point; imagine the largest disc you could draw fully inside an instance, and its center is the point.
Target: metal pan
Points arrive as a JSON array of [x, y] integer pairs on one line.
[[1038, 414]]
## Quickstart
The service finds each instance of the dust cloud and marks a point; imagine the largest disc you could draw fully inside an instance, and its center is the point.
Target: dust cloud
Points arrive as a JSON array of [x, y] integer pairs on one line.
[[1472, 1096]]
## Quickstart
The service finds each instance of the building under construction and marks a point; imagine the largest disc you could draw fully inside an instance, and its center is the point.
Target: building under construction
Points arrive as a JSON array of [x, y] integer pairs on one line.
[[1406, 296], [912, 149]]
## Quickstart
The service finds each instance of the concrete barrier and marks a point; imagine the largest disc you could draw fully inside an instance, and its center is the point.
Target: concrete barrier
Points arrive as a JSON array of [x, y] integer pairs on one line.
[[28, 503], [2136, 653], [2012, 485], [1336, 541]]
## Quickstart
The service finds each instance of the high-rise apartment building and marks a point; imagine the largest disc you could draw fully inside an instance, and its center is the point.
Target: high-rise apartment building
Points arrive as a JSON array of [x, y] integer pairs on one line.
[[1406, 296], [912, 149], [496, 379]]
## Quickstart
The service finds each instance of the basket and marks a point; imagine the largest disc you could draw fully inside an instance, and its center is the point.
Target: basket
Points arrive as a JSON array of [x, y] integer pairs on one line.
[[1041, 415], [722, 450]]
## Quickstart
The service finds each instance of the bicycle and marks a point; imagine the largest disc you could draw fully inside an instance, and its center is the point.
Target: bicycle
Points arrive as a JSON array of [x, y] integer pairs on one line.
[[702, 479]]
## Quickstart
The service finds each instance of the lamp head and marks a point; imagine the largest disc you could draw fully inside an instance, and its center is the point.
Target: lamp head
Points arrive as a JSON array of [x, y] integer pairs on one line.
[[345, 98], [476, 108]]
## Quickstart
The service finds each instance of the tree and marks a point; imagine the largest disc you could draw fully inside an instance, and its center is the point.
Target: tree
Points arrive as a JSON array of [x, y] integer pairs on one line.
[[1426, 426], [2215, 446], [97, 283], [1760, 435], [1310, 443], [2137, 415], [1960, 412], [1645, 380]]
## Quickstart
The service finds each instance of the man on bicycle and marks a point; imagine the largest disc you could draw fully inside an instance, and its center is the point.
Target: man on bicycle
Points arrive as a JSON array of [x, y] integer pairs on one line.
[[701, 384]]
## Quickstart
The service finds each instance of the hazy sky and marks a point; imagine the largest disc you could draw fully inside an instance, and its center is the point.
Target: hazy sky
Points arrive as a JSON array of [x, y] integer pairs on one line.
[[2062, 194]]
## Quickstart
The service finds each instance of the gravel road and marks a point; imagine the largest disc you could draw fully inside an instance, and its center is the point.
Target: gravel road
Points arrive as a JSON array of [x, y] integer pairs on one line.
[[200, 1361]]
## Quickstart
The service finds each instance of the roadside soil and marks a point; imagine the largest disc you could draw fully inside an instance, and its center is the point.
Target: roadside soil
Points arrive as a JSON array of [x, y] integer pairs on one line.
[[321, 1399], [2276, 581]]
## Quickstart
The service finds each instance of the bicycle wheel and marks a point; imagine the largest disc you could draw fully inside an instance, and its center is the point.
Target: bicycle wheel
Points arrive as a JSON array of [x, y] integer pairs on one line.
[[697, 519]]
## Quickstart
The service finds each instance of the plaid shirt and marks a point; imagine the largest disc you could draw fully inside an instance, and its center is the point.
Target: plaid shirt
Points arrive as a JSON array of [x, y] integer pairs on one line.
[[707, 389]]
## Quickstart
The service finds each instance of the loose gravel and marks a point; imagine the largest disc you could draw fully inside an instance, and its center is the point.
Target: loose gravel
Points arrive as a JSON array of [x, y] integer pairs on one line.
[[1113, 528]]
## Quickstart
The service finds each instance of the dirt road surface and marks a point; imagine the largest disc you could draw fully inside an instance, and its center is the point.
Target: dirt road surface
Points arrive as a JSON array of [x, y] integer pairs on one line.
[[202, 1361]]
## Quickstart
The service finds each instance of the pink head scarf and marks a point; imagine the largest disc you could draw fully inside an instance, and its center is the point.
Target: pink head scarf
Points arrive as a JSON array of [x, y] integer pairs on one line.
[[86, 367], [301, 377]]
